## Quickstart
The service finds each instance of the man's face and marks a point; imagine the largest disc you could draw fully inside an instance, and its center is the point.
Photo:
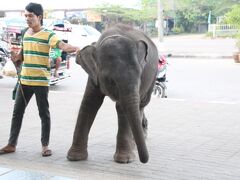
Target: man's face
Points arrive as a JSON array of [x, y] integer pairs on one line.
[[32, 19]]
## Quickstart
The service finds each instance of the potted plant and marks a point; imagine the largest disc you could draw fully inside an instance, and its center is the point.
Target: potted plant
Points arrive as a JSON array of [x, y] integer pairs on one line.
[[236, 55]]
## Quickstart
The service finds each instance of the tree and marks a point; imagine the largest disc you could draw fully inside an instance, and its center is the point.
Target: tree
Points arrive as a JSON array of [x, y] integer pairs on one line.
[[147, 12], [140, 17], [233, 16], [223, 6], [188, 14], [191, 13]]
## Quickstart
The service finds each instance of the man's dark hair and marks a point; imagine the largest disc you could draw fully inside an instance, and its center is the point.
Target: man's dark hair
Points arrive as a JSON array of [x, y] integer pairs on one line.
[[35, 8]]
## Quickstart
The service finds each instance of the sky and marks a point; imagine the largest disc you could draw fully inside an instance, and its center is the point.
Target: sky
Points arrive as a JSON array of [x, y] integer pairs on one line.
[[61, 4]]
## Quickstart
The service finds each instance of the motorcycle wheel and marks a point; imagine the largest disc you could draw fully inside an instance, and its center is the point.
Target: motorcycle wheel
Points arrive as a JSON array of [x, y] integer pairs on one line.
[[159, 91]]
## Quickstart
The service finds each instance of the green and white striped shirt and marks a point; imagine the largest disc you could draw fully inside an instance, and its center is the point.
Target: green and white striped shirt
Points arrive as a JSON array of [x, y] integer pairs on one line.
[[36, 65]]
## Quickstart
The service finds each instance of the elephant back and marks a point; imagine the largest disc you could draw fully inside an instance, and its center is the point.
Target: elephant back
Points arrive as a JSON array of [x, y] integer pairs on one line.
[[127, 31]]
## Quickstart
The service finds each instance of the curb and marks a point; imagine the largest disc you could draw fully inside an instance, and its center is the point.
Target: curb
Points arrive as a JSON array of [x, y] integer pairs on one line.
[[210, 56], [199, 55]]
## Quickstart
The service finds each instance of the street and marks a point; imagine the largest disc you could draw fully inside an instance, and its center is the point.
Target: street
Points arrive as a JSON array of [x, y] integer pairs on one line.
[[206, 80], [193, 134], [209, 80]]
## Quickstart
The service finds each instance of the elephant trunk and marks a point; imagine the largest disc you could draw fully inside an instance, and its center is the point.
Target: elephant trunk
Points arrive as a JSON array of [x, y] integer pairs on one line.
[[131, 105]]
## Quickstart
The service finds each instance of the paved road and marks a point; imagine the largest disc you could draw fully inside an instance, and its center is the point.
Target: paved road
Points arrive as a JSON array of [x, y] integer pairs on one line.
[[197, 79], [204, 79], [192, 46], [193, 134]]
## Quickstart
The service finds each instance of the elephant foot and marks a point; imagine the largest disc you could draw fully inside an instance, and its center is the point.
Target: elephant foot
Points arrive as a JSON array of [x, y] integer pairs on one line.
[[75, 154], [124, 156]]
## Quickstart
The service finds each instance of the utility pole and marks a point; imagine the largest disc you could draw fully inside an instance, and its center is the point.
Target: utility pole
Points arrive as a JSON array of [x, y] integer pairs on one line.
[[160, 21]]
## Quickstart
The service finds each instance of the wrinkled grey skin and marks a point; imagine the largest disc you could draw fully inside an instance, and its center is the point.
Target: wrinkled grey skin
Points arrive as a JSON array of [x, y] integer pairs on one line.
[[123, 66]]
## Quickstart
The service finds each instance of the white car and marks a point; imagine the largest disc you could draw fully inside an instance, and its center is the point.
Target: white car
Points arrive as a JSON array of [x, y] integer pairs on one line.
[[80, 35], [83, 35]]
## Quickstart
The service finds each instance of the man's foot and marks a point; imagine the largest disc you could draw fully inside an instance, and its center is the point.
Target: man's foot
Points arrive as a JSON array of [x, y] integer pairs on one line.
[[8, 149], [46, 152]]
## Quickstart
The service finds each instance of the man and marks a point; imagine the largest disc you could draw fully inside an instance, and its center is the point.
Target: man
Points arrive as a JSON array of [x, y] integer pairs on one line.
[[35, 75], [56, 58]]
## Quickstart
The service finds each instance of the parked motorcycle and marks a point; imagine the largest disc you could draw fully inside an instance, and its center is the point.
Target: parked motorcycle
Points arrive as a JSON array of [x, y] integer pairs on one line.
[[4, 56], [63, 70], [14, 37], [160, 87]]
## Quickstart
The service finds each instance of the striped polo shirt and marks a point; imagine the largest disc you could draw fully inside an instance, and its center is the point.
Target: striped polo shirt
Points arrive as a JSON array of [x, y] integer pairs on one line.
[[36, 65]]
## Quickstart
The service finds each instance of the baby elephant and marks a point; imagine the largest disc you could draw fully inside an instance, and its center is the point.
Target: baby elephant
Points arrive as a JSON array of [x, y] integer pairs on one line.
[[123, 66]]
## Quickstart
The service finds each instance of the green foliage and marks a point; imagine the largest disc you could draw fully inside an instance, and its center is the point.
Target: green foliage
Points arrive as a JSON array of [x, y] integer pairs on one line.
[[223, 6], [177, 30], [209, 34], [190, 13], [233, 16], [149, 8], [148, 12]]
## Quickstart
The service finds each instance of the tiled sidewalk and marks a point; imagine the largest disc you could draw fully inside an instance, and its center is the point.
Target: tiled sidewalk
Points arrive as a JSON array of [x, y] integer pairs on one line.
[[12, 174], [187, 140]]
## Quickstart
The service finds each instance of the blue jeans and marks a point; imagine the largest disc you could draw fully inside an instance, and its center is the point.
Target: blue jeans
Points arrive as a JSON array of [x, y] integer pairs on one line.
[[41, 93]]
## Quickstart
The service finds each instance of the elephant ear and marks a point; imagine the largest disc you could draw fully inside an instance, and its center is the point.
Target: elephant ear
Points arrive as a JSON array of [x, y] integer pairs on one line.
[[142, 52], [86, 58]]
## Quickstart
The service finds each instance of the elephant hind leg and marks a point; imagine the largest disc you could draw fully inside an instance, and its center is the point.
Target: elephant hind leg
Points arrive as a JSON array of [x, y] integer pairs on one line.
[[125, 141], [124, 149], [124, 154]]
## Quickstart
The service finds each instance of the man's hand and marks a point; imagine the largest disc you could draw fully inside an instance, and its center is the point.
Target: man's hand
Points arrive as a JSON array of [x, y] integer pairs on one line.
[[68, 48], [16, 56], [77, 50], [13, 56]]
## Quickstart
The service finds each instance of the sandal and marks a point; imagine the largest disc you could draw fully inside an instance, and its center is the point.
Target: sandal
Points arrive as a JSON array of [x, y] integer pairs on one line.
[[46, 152], [8, 149]]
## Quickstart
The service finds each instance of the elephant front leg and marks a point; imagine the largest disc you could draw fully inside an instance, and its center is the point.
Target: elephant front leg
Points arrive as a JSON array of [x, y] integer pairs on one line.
[[78, 150], [125, 142], [91, 102]]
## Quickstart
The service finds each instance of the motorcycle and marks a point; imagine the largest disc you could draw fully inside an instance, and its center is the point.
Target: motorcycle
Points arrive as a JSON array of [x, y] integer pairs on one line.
[[160, 87], [13, 37], [4, 55], [63, 70]]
